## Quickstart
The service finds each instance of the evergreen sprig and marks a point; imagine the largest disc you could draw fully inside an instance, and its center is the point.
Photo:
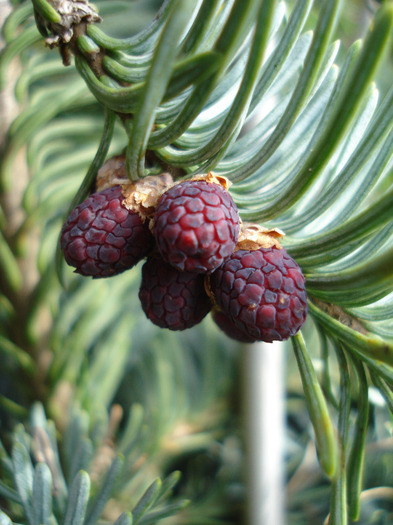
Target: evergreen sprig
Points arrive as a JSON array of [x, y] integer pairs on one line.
[[242, 88], [40, 491]]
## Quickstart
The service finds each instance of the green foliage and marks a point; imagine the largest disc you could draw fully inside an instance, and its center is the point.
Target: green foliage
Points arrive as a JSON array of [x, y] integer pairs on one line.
[[48, 496], [243, 88]]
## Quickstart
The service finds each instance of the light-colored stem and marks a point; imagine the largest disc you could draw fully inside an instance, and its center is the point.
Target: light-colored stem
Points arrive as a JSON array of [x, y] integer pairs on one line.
[[264, 395]]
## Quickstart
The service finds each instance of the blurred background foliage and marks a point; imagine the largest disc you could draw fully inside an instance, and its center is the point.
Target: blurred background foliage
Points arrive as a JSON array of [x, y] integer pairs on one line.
[[130, 405]]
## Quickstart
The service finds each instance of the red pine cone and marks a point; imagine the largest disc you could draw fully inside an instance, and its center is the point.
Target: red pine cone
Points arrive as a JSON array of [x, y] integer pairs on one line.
[[102, 238], [171, 298], [263, 292], [196, 226]]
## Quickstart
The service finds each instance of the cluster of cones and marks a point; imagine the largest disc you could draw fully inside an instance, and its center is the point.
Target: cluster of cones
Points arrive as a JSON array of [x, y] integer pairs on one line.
[[200, 257]]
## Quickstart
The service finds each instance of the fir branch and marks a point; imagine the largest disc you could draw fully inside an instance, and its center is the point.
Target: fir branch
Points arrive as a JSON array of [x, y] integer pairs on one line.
[[318, 164]]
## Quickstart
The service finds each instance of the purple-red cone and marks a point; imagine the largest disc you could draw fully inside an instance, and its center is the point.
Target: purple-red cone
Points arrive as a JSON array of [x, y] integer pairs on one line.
[[171, 298], [263, 292], [196, 226], [102, 237]]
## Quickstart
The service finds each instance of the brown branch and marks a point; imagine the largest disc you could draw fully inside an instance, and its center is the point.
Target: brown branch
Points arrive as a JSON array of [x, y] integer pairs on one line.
[[339, 314]]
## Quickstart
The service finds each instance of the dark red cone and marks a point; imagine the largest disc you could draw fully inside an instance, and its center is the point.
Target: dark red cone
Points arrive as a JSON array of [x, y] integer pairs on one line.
[[196, 226], [263, 292], [171, 298], [102, 238]]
